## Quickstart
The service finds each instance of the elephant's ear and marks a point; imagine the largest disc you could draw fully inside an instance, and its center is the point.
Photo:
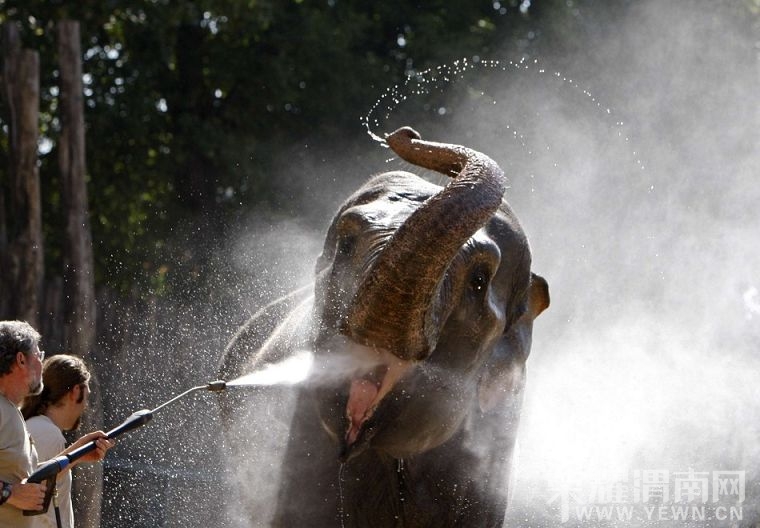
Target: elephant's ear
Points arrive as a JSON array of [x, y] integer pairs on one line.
[[504, 373], [538, 295]]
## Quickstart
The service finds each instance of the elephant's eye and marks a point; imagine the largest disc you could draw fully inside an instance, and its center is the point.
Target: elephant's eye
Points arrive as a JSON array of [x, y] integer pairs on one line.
[[478, 281], [346, 245]]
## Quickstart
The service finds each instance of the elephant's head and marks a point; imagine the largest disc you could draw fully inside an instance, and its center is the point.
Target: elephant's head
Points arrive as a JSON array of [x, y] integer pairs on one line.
[[433, 288]]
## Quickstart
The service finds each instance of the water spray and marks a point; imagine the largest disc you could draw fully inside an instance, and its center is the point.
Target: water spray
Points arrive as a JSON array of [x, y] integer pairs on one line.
[[48, 471]]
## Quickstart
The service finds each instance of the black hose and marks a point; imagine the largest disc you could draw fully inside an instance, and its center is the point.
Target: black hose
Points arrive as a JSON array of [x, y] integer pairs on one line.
[[52, 467]]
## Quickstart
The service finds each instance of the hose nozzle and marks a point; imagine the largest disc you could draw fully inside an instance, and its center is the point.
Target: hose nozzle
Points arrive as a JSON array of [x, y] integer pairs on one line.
[[217, 386]]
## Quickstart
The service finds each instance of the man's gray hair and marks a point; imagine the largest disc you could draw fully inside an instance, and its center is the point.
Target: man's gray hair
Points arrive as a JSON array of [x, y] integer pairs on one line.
[[15, 337]]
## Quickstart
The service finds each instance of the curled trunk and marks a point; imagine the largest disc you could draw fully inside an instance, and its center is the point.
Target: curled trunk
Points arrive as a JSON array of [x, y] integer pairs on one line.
[[393, 307]]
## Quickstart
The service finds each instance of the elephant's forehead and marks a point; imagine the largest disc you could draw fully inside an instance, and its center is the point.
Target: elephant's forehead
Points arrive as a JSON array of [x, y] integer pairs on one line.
[[389, 210], [389, 198]]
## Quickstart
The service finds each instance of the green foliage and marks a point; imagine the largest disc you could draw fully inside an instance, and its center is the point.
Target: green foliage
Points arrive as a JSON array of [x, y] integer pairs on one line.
[[188, 103]]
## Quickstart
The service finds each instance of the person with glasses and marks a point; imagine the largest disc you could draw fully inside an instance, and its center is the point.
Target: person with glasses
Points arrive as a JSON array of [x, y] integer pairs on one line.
[[58, 408], [21, 376]]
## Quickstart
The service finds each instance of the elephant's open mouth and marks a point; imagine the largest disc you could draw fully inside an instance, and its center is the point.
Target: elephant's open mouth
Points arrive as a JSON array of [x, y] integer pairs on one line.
[[362, 400], [367, 389]]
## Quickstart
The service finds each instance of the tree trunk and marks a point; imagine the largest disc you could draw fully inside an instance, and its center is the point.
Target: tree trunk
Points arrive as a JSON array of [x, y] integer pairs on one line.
[[22, 261], [78, 273]]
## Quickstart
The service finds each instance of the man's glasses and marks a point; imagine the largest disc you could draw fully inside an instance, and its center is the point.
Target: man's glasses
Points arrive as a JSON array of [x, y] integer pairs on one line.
[[40, 354]]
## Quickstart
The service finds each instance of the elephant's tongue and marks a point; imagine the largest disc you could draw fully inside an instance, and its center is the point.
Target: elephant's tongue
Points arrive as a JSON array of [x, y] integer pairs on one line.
[[367, 391], [363, 392], [362, 400]]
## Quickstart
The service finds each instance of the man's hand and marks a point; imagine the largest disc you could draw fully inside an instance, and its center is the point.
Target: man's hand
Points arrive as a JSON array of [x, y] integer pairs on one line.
[[102, 444], [27, 496]]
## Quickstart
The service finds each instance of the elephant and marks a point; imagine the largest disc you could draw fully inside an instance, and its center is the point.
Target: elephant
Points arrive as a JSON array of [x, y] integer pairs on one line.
[[419, 320]]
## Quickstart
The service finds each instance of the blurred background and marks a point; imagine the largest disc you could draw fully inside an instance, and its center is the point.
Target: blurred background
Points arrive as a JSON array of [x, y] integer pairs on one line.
[[220, 136]]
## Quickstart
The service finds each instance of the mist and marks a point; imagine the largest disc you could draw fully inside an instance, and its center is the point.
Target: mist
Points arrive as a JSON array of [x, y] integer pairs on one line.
[[631, 156], [641, 207], [630, 139]]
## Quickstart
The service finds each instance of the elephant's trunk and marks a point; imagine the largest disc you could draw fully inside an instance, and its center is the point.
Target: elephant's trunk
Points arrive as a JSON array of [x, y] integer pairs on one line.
[[394, 306]]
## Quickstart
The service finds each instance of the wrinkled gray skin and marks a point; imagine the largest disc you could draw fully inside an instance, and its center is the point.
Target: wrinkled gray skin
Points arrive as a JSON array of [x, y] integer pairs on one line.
[[434, 287]]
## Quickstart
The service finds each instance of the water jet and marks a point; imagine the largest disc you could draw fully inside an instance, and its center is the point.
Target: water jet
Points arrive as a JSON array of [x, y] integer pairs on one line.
[[47, 472]]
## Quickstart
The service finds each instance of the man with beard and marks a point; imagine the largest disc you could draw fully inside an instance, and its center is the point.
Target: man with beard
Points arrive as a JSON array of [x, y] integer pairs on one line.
[[21, 376], [56, 409]]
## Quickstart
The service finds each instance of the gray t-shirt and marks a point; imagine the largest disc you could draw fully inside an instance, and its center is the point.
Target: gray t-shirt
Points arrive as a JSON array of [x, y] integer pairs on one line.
[[18, 458], [49, 442]]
